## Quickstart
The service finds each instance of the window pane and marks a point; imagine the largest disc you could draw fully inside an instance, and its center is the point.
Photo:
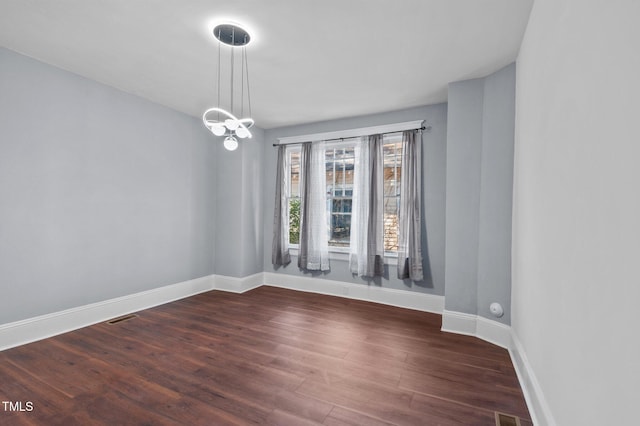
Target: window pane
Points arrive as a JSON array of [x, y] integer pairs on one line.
[[294, 221], [391, 232], [329, 153], [342, 205], [329, 181], [339, 167], [349, 161], [294, 190], [348, 175], [340, 230], [389, 181], [392, 170]]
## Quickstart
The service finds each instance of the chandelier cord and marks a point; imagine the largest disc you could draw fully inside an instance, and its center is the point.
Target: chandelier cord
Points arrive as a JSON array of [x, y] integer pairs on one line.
[[233, 42], [218, 87], [242, 85], [246, 62]]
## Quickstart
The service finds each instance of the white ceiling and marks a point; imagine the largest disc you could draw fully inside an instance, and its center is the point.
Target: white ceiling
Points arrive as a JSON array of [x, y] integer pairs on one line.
[[309, 60]]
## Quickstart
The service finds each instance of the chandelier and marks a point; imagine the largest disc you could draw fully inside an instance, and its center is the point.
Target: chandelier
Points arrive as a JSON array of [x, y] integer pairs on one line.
[[218, 120]]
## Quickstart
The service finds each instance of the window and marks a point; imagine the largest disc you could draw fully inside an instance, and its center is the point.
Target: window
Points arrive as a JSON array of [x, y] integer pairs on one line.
[[392, 152], [340, 166], [339, 160], [294, 195]]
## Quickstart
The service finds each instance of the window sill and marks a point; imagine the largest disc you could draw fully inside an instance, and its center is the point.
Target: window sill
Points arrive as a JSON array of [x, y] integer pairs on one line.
[[343, 254]]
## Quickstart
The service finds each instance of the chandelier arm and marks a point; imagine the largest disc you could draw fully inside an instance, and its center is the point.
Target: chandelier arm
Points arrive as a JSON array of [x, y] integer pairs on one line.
[[241, 123]]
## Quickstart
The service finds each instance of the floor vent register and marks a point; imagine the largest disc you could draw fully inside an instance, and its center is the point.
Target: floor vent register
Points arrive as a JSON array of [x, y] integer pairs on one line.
[[121, 319], [506, 420]]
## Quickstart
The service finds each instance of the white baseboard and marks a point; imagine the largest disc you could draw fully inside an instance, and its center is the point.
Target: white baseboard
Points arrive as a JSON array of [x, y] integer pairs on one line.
[[536, 401], [370, 293], [494, 332], [238, 285], [44, 326], [459, 323], [480, 327]]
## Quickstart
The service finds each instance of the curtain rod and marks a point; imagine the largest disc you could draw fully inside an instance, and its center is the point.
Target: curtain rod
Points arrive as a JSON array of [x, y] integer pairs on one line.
[[341, 139]]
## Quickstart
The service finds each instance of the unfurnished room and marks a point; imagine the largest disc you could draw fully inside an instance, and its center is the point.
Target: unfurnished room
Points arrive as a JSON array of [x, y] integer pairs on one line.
[[416, 212]]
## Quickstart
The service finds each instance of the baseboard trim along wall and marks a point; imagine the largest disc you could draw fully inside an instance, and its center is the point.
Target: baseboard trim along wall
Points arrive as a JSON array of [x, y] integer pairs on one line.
[[44, 326], [238, 285], [536, 401], [473, 325], [494, 332], [400, 298], [459, 323]]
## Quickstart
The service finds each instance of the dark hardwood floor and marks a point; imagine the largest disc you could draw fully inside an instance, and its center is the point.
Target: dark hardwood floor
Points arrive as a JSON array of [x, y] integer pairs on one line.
[[268, 356]]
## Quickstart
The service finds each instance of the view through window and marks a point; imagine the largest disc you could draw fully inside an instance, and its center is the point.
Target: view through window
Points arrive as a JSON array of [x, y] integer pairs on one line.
[[340, 166]]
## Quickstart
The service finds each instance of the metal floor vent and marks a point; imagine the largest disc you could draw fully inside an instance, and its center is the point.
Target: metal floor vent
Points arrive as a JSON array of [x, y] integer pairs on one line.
[[121, 319], [506, 420]]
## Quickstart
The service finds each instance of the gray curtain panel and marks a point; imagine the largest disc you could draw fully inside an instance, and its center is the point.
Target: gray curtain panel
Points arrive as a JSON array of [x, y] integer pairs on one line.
[[409, 241], [279, 246], [375, 224], [305, 176], [366, 245]]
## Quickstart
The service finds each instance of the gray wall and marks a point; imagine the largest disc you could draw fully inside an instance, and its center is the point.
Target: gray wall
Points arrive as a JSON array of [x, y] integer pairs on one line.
[[434, 163], [481, 115], [239, 215], [496, 198], [102, 194], [464, 159]]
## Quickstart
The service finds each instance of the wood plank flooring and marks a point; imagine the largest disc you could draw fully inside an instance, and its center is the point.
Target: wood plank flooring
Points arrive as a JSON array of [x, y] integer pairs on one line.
[[268, 356]]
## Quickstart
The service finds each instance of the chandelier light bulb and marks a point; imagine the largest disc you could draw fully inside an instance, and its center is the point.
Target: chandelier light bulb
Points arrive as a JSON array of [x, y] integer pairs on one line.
[[218, 129], [231, 124], [242, 133], [231, 143]]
